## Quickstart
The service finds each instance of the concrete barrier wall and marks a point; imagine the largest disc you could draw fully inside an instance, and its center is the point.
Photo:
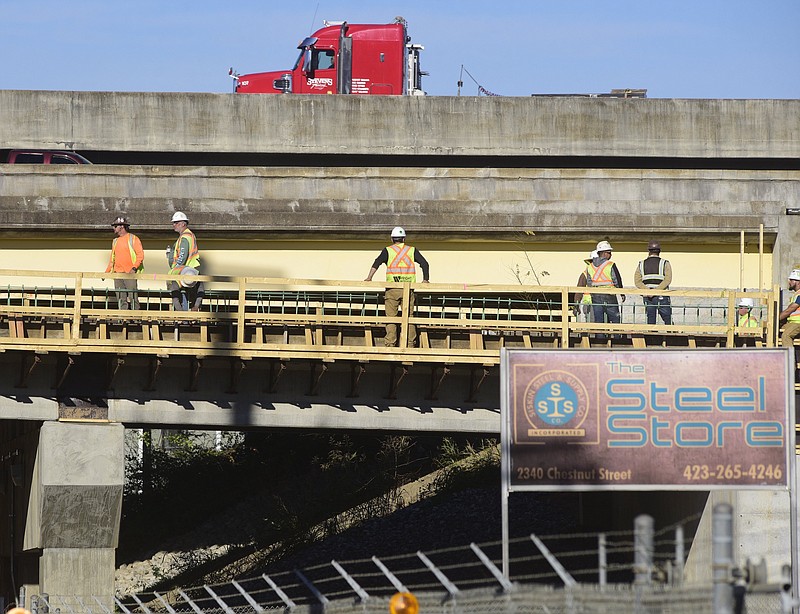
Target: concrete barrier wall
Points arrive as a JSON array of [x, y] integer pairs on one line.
[[359, 202], [330, 223], [485, 126]]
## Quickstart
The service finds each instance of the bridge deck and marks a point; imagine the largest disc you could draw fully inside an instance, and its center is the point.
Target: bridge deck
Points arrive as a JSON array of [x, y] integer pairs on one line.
[[302, 353], [344, 320]]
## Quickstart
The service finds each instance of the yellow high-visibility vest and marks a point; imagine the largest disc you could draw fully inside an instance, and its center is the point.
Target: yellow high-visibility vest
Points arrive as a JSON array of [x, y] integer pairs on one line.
[[401, 264], [748, 321], [601, 275], [194, 254], [795, 317]]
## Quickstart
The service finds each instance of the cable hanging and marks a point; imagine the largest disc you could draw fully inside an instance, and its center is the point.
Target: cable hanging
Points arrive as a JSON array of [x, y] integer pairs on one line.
[[481, 89]]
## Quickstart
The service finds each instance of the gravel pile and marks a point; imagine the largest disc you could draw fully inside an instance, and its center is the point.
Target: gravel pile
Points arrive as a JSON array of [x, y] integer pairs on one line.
[[449, 520], [446, 521]]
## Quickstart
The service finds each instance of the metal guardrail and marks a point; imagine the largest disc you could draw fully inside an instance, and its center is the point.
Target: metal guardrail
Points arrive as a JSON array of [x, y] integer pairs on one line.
[[322, 319]]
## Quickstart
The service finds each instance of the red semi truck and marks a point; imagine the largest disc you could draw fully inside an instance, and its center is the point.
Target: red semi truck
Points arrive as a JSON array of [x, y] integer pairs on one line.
[[344, 58]]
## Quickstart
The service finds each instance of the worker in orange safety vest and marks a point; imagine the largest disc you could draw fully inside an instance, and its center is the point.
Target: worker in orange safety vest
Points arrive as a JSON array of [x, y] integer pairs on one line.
[[127, 256], [400, 260]]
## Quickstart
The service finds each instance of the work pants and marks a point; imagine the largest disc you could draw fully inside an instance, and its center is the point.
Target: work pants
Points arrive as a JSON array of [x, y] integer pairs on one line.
[[658, 304], [127, 293], [185, 297], [791, 330], [393, 299], [605, 308]]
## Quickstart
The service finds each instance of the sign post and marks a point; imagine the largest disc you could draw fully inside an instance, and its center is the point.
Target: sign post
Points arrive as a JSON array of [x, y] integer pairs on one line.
[[646, 419]]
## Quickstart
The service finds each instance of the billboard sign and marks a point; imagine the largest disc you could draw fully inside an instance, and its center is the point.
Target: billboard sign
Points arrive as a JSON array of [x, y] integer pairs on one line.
[[651, 419]]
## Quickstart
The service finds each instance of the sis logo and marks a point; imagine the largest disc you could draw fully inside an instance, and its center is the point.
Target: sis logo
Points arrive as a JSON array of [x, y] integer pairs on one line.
[[556, 404]]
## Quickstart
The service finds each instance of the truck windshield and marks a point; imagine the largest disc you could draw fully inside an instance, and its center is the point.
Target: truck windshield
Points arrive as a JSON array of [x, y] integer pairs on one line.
[[306, 44], [299, 59]]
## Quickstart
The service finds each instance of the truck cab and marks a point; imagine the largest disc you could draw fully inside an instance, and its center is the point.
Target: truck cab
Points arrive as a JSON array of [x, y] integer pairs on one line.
[[342, 58]]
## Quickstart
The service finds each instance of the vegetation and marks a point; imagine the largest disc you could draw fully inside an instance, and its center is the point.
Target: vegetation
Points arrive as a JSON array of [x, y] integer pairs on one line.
[[279, 488]]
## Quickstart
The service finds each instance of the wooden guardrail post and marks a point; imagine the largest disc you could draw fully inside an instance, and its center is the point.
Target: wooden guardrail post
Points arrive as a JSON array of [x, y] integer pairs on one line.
[[773, 309], [240, 310], [565, 311], [732, 318], [76, 316], [406, 316]]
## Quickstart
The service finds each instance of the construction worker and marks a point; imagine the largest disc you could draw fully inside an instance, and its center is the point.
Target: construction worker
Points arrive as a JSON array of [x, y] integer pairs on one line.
[[127, 256], [655, 273], [791, 315], [746, 319], [184, 260], [585, 305], [400, 260], [602, 272]]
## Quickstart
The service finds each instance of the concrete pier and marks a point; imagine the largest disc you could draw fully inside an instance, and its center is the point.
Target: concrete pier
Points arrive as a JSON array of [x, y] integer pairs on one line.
[[74, 510]]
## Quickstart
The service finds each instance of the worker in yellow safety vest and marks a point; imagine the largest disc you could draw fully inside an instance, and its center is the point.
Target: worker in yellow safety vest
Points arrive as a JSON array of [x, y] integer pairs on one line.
[[184, 260], [602, 272], [400, 260], [745, 318], [791, 315], [127, 256]]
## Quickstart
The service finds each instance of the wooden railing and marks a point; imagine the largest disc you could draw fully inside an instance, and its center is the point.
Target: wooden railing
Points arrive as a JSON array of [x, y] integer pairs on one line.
[[253, 317]]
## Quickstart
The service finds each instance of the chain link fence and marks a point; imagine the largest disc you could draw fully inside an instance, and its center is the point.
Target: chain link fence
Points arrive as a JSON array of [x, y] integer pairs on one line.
[[636, 572], [519, 599]]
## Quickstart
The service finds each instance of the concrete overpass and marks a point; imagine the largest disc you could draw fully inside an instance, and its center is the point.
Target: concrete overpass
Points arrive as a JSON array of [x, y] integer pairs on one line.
[[543, 175], [633, 128], [491, 189]]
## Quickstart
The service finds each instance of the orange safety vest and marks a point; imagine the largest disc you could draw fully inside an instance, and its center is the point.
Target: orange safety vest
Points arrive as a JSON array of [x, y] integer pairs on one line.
[[131, 238], [401, 266], [599, 276], [795, 317], [194, 254]]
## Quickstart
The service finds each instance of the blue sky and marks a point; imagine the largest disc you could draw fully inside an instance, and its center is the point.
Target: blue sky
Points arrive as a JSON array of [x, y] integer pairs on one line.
[[673, 48]]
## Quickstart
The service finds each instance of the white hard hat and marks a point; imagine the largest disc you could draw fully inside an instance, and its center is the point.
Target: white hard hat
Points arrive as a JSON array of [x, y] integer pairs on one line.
[[179, 216], [604, 246], [746, 302], [398, 233], [795, 274], [184, 277]]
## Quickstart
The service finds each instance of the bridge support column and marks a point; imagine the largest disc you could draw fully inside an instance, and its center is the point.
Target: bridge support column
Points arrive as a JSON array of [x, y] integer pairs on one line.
[[761, 524], [74, 510]]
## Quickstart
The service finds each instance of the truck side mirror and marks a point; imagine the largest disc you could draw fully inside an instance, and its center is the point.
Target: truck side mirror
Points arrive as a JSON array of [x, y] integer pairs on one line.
[[307, 67]]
